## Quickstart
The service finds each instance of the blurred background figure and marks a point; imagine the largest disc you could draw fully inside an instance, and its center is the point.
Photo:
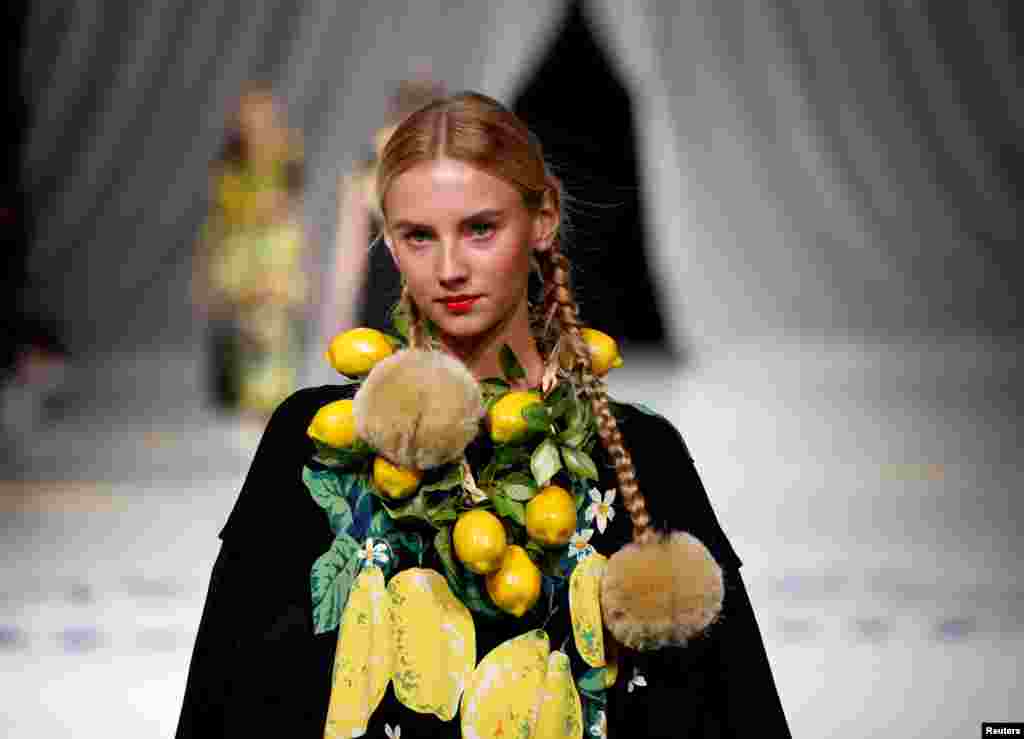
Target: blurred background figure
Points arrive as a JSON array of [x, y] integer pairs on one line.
[[251, 278], [363, 283]]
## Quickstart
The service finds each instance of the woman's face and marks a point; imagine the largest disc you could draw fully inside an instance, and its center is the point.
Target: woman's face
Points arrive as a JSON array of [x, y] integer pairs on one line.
[[256, 114], [462, 239]]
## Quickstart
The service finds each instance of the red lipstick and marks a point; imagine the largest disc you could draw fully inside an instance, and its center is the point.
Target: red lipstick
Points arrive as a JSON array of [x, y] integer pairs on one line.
[[460, 303]]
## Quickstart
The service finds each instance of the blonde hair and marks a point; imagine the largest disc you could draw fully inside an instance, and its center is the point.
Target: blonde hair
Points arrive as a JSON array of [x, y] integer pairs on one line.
[[478, 130]]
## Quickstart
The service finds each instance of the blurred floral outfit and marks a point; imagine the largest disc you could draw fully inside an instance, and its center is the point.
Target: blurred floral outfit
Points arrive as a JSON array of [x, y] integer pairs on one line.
[[257, 281]]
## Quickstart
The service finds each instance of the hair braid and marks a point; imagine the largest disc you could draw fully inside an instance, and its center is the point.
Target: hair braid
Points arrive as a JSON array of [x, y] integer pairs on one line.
[[416, 329], [559, 299]]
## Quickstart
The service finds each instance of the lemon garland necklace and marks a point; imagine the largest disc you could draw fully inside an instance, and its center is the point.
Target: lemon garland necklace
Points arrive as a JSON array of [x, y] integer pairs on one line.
[[502, 535], [504, 538]]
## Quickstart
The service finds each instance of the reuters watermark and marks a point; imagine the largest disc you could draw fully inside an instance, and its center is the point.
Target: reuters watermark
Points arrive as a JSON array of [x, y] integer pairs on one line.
[[1001, 729]]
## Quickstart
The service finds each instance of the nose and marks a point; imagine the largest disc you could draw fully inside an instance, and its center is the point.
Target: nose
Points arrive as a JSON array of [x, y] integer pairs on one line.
[[452, 270]]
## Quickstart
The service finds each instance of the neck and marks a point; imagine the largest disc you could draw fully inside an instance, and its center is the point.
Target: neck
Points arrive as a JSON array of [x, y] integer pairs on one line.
[[481, 353]]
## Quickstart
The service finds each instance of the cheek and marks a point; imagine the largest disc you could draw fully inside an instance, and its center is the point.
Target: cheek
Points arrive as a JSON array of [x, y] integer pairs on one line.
[[511, 265]]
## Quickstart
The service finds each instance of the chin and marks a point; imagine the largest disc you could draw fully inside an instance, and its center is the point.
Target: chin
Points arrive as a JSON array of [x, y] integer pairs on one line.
[[463, 327]]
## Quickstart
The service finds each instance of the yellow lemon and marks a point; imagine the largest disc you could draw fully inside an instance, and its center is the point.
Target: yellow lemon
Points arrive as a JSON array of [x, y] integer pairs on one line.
[[355, 352], [394, 481], [515, 586], [506, 416], [551, 516], [480, 541], [604, 352], [334, 425]]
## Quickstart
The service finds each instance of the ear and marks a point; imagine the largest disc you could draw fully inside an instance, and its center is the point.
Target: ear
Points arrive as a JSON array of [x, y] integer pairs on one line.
[[545, 223]]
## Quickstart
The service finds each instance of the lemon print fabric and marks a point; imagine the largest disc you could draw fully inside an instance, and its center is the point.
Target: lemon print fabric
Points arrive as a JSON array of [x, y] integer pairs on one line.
[[585, 608], [364, 657], [434, 643], [522, 689], [560, 713]]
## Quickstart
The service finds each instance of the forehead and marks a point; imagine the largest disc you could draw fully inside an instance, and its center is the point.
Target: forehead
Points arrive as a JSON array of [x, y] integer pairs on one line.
[[446, 188]]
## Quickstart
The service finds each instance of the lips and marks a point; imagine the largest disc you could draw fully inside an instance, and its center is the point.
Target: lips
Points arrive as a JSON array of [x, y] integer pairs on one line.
[[460, 303]]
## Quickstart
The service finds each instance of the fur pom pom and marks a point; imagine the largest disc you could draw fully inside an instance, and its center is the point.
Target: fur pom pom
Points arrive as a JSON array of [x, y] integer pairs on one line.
[[661, 592], [419, 408]]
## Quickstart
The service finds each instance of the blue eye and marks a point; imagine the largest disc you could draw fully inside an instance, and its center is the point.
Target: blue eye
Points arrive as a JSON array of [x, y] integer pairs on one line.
[[481, 229], [418, 236]]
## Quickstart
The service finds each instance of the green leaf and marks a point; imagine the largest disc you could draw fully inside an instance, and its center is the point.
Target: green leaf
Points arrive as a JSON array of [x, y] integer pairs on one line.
[[510, 366], [536, 417], [476, 598], [573, 437], [492, 389], [339, 516], [331, 579], [579, 463], [414, 508], [323, 485], [561, 407], [510, 455], [534, 548], [593, 680], [332, 457], [380, 524], [443, 547], [463, 582], [444, 512], [452, 479], [518, 486], [556, 396], [513, 509], [545, 462], [580, 414], [410, 541]]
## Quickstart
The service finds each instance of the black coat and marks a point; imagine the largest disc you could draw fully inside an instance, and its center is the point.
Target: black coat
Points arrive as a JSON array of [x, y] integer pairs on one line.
[[258, 669]]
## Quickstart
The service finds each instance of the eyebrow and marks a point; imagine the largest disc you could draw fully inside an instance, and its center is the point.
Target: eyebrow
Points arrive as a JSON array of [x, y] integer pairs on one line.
[[478, 216]]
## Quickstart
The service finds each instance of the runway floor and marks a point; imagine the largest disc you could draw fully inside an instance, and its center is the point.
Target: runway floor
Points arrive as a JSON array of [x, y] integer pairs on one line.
[[872, 492]]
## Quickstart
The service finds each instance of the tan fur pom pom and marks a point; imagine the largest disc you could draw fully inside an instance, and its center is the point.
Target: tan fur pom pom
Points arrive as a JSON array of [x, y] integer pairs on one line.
[[419, 408], [661, 592]]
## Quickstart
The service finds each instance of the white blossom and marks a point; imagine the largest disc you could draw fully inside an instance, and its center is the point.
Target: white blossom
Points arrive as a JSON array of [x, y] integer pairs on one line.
[[579, 544], [637, 681], [600, 509], [371, 552]]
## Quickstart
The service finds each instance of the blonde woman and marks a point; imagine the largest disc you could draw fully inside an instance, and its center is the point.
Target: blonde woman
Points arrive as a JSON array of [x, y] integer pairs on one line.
[[469, 213]]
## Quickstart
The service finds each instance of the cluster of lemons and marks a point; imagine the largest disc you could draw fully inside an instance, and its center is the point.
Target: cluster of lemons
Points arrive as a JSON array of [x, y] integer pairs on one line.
[[512, 579]]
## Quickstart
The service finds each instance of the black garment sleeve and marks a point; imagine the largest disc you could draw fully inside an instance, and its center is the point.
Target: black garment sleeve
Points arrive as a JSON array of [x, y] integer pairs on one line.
[[209, 677], [257, 667]]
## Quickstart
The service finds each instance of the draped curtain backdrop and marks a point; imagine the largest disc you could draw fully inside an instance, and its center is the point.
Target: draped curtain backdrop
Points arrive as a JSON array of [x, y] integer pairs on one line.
[[828, 169], [815, 174]]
